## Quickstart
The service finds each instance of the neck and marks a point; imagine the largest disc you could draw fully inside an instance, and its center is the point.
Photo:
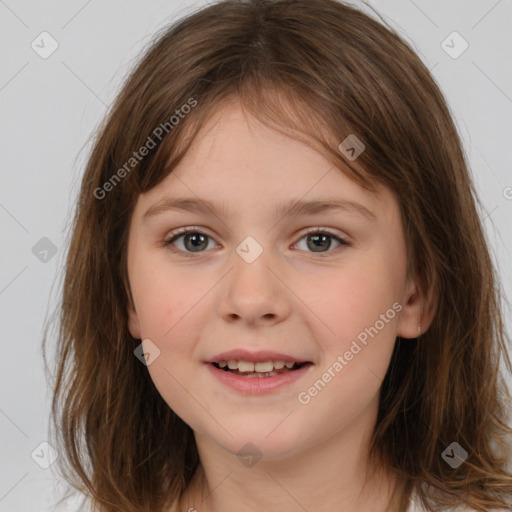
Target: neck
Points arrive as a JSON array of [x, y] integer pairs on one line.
[[329, 476]]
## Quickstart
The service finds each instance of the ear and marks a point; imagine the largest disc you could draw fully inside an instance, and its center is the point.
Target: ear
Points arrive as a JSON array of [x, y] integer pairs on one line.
[[419, 305], [133, 323]]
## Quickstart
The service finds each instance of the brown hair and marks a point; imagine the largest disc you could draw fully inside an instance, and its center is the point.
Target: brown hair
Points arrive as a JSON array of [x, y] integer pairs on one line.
[[320, 70]]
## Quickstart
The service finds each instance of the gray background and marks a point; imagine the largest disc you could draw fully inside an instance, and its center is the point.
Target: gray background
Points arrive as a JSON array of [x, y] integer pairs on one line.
[[50, 107]]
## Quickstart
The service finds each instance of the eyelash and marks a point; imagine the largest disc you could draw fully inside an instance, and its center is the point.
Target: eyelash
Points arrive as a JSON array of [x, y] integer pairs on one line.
[[175, 235]]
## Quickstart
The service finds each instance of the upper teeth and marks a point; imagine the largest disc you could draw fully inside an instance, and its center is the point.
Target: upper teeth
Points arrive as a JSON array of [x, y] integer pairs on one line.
[[248, 366]]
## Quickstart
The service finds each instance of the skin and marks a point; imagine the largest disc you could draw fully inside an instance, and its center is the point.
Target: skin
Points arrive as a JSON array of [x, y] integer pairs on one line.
[[290, 299]]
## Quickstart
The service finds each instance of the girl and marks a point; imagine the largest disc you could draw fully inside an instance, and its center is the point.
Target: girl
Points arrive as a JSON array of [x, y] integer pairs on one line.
[[213, 354]]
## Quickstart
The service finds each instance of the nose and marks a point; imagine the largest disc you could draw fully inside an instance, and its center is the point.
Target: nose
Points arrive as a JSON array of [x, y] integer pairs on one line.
[[254, 294]]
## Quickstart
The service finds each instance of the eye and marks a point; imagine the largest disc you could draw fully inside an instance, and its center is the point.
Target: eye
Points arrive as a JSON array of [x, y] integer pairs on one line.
[[193, 241], [318, 241]]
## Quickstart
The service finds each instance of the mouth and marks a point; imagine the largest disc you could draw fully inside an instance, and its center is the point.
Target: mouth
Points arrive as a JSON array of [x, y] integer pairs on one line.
[[258, 378], [263, 369]]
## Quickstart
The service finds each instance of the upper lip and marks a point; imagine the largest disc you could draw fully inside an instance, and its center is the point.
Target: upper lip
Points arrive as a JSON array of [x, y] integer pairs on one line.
[[255, 357]]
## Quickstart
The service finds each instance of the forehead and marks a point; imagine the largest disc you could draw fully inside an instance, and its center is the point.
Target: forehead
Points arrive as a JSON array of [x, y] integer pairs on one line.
[[239, 162]]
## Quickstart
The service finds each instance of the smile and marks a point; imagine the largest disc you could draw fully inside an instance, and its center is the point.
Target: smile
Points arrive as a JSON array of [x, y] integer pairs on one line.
[[257, 378]]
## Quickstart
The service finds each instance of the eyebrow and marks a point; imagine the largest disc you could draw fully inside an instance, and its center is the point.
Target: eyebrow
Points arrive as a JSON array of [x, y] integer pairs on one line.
[[290, 208]]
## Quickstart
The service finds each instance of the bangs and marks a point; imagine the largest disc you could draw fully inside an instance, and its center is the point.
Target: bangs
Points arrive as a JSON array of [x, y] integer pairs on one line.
[[292, 111]]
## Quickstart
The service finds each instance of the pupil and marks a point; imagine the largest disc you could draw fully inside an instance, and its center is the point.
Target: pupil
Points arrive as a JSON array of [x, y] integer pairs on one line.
[[318, 240], [196, 243]]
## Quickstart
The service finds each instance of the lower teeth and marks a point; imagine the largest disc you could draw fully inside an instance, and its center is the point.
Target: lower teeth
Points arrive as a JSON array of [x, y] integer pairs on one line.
[[258, 374]]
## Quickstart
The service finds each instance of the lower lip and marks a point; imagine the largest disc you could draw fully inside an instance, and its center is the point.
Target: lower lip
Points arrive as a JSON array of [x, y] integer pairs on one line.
[[258, 385]]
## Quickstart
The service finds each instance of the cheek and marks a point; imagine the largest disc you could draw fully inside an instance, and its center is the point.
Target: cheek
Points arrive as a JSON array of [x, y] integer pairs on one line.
[[353, 298], [163, 295], [156, 306], [169, 309]]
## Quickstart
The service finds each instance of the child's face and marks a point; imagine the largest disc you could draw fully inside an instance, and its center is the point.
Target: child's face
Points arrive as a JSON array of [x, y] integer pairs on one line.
[[301, 296]]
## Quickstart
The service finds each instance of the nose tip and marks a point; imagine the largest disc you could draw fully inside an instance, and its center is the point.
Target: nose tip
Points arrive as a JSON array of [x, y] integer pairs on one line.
[[253, 294]]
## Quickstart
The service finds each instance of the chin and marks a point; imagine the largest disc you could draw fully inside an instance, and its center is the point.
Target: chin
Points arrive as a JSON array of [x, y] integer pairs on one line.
[[250, 439]]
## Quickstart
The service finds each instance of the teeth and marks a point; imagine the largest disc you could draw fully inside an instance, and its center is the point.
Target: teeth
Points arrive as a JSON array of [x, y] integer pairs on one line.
[[253, 375], [261, 367], [246, 366]]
